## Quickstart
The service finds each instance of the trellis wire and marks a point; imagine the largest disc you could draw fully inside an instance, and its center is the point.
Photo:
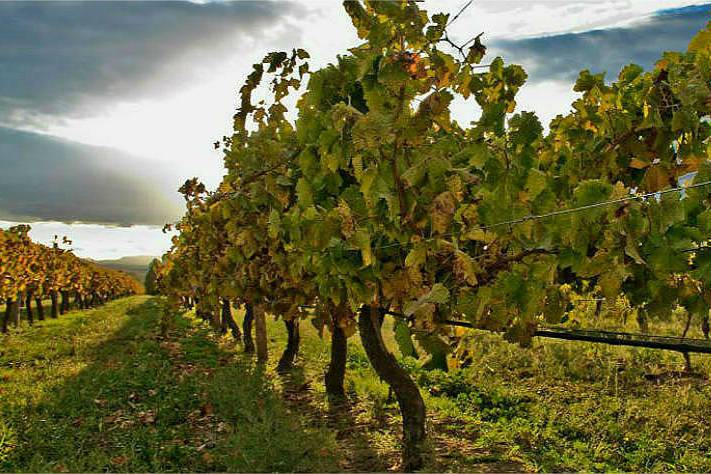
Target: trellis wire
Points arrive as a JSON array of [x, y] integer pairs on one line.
[[652, 341], [562, 212]]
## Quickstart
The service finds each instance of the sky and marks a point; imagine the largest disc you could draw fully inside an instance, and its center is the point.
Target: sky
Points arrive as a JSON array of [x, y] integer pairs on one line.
[[107, 107]]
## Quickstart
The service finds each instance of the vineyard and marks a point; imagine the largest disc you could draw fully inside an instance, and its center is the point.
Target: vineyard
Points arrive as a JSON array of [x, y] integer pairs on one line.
[[368, 200], [398, 257], [31, 273]]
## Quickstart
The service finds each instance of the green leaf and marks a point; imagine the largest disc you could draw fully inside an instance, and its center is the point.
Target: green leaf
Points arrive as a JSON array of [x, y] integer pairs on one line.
[[592, 192], [535, 183], [684, 120], [274, 223], [435, 32], [663, 260], [703, 264], [304, 193], [525, 128], [438, 350], [704, 220], [632, 249], [414, 175], [587, 81], [438, 294], [403, 337], [477, 155]]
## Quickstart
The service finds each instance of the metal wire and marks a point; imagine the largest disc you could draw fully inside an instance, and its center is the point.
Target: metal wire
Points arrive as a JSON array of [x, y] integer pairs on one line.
[[563, 212], [461, 10]]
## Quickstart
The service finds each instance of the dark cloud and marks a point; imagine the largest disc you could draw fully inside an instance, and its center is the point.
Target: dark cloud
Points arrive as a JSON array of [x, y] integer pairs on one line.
[[45, 178], [562, 57], [69, 57]]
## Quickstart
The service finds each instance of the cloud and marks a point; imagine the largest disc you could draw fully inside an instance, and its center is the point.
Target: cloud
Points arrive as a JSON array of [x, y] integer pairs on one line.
[[45, 178], [517, 19], [100, 241], [561, 57], [75, 58]]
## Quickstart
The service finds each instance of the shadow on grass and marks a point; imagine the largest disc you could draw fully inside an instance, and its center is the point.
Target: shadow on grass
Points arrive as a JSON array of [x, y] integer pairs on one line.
[[147, 403], [354, 437]]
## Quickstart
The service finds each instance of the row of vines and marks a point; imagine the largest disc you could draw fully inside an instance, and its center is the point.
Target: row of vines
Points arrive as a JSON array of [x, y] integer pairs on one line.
[[367, 198], [31, 272]]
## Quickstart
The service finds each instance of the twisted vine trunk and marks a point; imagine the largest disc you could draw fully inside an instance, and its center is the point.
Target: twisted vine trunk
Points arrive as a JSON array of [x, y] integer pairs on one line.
[[336, 372], [687, 358], [40, 308], [8, 313], [412, 407], [286, 363], [78, 303], [642, 321], [55, 308], [260, 333], [214, 318], [28, 306], [225, 312], [16, 311], [247, 328], [64, 307], [228, 322]]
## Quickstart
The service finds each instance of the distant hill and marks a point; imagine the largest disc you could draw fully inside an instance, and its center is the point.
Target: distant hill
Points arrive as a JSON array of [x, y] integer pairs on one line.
[[135, 265]]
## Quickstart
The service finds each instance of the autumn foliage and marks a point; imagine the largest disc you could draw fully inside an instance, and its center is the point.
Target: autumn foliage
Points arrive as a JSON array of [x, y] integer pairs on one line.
[[369, 198]]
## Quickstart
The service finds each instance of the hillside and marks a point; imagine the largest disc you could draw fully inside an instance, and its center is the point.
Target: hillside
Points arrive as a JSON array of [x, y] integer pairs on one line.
[[134, 265]]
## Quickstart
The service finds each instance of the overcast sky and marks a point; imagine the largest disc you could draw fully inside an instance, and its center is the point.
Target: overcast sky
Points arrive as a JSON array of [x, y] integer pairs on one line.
[[106, 107]]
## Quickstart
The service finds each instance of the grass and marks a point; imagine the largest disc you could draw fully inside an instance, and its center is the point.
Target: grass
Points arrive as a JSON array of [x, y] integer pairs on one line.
[[103, 390]]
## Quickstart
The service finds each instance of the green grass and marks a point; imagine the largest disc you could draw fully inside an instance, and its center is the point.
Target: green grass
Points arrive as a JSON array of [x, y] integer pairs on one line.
[[102, 390]]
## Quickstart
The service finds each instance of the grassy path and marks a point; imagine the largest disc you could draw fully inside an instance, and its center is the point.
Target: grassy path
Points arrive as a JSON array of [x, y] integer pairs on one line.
[[102, 390]]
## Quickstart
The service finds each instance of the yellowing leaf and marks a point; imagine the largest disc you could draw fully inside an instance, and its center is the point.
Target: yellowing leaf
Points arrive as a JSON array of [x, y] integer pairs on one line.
[[702, 41], [416, 257], [480, 235], [465, 267], [362, 241], [638, 164], [656, 178], [443, 211]]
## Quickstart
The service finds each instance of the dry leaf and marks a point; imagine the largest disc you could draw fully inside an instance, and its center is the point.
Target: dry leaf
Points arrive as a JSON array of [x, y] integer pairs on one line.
[[119, 460]]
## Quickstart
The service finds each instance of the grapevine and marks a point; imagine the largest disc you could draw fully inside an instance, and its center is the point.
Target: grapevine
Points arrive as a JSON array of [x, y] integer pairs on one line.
[[30, 272], [374, 199]]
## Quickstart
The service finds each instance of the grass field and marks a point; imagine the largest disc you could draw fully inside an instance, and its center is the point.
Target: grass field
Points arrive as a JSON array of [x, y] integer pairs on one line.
[[101, 390]]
